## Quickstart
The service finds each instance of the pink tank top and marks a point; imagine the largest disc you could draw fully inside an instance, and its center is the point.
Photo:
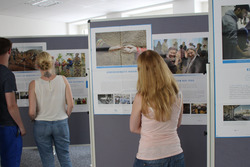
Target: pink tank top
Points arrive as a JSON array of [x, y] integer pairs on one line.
[[160, 139]]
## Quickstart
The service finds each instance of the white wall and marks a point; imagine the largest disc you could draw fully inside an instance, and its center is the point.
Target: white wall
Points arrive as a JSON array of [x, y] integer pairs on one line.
[[183, 6], [15, 26]]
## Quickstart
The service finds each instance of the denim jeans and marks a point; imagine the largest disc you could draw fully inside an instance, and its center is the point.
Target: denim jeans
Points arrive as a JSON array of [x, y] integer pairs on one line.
[[174, 161], [10, 146], [48, 132]]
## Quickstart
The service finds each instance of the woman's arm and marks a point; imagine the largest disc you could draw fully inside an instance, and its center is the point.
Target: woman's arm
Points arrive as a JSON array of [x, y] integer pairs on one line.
[[32, 100], [135, 117], [180, 116], [69, 97]]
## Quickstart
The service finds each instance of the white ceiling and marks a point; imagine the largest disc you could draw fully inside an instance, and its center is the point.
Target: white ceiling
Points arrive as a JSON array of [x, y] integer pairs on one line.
[[71, 10]]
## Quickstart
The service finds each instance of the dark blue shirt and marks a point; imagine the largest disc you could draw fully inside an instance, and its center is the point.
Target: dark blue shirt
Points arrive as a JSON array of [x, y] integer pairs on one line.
[[7, 84]]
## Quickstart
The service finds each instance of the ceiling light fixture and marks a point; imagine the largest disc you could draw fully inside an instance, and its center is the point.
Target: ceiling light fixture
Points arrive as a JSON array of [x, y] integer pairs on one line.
[[43, 3]]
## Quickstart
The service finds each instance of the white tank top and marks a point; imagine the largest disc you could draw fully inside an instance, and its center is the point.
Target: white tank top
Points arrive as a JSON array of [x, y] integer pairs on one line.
[[51, 100], [160, 139]]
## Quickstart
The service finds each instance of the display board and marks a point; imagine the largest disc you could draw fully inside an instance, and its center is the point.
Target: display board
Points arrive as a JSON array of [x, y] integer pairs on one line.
[[71, 60], [114, 75], [231, 60]]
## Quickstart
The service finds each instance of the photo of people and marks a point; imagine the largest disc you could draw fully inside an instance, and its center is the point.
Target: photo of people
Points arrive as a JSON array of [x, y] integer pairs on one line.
[[119, 48], [235, 32], [236, 112], [23, 58], [80, 101], [122, 99], [105, 99], [184, 55], [199, 108], [70, 64]]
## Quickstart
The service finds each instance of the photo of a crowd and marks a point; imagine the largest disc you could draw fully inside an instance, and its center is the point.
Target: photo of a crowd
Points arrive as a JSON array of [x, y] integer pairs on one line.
[[184, 55], [70, 64]]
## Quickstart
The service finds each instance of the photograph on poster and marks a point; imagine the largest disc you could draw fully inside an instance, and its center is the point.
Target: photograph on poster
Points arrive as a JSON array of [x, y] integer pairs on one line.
[[23, 56], [80, 101], [186, 55], [186, 108], [24, 95], [70, 64], [105, 99], [235, 31], [119, 48], [199, 108], [236, 112], [122, 99]]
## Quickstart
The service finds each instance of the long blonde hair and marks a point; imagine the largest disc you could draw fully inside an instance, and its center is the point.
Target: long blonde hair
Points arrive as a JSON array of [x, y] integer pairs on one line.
[[156, 85]]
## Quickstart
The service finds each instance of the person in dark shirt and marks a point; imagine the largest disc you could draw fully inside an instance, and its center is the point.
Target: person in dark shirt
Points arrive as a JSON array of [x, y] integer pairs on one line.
[[231, 48], [11, 125]]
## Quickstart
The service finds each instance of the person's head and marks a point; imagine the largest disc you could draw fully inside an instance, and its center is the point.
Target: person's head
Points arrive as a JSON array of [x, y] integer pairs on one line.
[[156, 85], [44, 61], [191, 52], [172, 54], [5, 46], [199, 45], [241, 11]]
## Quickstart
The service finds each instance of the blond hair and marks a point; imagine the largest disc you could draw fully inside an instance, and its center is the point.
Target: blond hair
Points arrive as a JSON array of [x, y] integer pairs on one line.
[[44, 61], [156, 85]]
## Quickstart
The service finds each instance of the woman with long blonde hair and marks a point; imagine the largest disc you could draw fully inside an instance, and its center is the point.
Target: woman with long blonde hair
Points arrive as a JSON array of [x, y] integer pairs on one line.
[[156, 114]]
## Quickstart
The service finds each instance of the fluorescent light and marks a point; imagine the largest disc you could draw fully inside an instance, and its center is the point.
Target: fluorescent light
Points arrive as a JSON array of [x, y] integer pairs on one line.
[[43, 3], [39, 2], [147, 9]]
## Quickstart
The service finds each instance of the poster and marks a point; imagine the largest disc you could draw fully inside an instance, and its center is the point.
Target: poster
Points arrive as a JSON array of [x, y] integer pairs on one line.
[[22, 63], [232, 67], [114, 70], [70, 63], [186, 55]]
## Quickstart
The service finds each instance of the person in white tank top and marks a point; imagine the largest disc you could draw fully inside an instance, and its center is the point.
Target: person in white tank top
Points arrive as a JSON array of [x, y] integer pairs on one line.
[[156, 114], [50, 105]]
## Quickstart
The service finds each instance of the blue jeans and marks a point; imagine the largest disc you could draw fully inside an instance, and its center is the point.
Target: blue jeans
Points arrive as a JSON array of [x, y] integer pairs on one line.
[[10, 146], [174, 161], [48, 132]]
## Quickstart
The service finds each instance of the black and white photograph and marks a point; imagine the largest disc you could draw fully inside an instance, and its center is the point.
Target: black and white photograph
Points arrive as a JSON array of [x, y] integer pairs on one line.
[[105, 99]]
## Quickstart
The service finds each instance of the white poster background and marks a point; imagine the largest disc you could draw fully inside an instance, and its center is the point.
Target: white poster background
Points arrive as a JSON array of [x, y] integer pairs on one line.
[[193, 86], [114, 87], [232, 79]]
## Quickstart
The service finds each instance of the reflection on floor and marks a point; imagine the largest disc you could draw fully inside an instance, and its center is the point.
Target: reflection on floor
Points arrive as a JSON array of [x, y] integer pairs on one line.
[[79, 154]]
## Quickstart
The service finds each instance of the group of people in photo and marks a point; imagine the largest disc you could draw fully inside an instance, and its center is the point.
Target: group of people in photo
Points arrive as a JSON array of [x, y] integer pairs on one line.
[[184, 58]]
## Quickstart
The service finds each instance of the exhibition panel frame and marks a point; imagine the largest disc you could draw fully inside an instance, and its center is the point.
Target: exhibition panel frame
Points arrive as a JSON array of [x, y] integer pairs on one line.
[[114, 47]]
